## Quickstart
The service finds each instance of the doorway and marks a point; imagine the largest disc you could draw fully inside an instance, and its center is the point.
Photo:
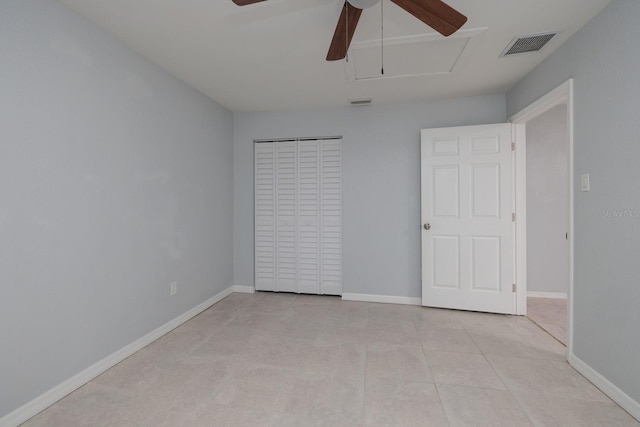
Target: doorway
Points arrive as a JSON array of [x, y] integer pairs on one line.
[[544, 231], [547, 221]]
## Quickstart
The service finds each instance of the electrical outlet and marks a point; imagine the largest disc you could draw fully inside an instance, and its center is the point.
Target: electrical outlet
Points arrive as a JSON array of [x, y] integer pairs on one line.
[[173, 287]]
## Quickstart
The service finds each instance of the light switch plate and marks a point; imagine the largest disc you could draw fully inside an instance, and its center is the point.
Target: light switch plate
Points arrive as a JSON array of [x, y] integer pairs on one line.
[[585, 184]]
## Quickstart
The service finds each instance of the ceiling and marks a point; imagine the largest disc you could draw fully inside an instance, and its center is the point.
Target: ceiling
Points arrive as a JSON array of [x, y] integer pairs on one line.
[[271, 55]]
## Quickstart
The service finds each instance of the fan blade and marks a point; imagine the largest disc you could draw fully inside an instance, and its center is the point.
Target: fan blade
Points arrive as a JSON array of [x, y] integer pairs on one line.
[[435, 13], [343, 35], [246, 2]]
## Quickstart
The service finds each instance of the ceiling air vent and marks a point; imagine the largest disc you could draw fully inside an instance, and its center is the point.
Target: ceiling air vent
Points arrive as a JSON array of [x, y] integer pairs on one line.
[[360, 101], [528, 43]]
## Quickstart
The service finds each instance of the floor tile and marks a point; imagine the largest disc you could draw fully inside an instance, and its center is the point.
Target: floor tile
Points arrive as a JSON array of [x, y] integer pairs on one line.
[[213, 319], [473, 406], [52, 417], [229, 342], [452, 338], [402, 403], [545, 345], [463, 369], [278, 351], [550, 314], [318, 395], [397, 362], [435, 317], [181, 340], [338, 359], [343, 333], [386, 313], [257, 387], [546, 410], [229, 416], [92, 405], [139, 371], [298, 360], [393, 332], [508, 343], [545, 377]]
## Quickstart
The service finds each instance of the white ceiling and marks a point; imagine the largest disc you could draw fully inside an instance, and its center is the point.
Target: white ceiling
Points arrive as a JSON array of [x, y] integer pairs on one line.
[[271, 55]]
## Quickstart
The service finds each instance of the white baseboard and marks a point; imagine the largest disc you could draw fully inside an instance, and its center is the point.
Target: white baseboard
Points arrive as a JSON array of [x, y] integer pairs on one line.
[[607, 387], [241, 289], [385, 299], [552, 295], [40, 403]]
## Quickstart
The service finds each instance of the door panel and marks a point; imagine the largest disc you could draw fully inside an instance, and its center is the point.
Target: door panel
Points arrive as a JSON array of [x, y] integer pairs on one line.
[[287, 236], [485, 263], [446, 188], [331, 216], [265, 217], [309, 217], [467, 252], [485, 190], [446, 268]]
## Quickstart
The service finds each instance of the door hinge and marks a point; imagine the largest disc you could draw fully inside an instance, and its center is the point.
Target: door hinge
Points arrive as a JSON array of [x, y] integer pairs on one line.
[[513, 146], [513, 288], [513, 217]]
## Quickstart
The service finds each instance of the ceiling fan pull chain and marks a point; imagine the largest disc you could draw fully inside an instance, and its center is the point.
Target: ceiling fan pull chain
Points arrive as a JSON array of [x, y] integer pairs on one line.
[[382, 36]]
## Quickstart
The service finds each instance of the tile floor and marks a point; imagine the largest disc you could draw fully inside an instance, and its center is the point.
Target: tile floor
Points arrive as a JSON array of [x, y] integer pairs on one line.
[[287, 360], [550, 314]]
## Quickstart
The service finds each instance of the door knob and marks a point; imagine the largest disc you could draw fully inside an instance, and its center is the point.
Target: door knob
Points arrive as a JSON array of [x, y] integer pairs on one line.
[[427, 226]]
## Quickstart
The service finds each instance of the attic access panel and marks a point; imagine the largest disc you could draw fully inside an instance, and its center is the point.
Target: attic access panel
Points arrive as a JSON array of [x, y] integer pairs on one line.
[[418, 55]]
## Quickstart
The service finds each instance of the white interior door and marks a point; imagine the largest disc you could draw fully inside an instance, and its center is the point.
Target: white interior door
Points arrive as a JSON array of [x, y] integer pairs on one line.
[[467, 234]]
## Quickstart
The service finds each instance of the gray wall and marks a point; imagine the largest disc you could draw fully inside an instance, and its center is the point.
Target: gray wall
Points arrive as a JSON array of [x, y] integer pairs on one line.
[[548, 202], [604, 59], [115, 179], [381, 165]]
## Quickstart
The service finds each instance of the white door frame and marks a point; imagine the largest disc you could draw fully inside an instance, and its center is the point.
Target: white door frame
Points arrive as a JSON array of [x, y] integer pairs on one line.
[[562, 94]]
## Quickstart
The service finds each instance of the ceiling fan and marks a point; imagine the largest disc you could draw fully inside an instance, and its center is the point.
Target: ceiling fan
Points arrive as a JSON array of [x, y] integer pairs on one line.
[[435, 13]]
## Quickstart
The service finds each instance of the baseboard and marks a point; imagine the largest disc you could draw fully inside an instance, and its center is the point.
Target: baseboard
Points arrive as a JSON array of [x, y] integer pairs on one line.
[[241, 289], [607, 387], [385, 299], [552, 295], [40, 403]]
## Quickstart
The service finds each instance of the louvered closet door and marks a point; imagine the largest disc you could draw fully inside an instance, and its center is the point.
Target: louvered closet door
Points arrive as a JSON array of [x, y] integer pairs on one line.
[[298, 216], [265, 217], [286, 213], [331, 216]]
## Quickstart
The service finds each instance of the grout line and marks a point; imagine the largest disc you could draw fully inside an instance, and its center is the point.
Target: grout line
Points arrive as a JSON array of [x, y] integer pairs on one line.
[[444, 410]]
